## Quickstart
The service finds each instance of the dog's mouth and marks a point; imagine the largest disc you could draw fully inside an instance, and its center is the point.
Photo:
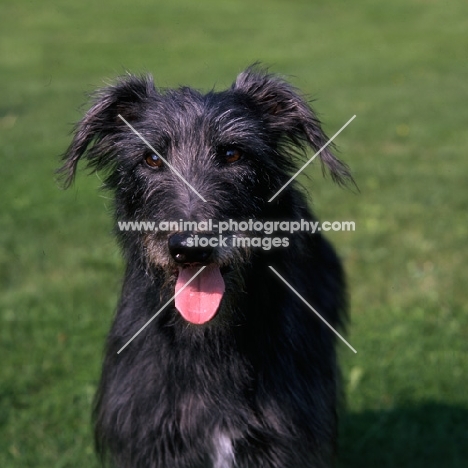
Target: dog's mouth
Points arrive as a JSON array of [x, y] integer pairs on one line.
[[198, 300]]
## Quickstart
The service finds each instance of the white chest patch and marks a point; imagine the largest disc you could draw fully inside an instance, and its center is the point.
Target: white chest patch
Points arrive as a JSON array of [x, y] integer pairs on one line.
[[223, 453]]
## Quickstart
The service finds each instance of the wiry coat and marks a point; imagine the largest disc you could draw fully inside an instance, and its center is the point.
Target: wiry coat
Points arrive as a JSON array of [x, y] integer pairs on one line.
[[256, 386]]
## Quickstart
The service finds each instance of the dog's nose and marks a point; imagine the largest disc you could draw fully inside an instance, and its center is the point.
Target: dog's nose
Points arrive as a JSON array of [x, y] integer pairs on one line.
[[188, 248]]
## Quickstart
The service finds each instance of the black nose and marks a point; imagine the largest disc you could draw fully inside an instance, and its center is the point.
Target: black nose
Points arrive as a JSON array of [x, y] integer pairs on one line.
[[188, 248]]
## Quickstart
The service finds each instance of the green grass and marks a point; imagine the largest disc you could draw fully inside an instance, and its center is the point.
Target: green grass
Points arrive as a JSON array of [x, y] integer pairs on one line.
[[401, 66]]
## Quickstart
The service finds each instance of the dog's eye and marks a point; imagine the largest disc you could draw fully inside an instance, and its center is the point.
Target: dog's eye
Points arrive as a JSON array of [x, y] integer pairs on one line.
[[153, 160], [232, 155]]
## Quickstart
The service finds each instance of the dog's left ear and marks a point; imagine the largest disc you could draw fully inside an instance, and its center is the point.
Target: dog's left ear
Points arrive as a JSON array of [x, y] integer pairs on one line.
[[289, 116], [96, 137]]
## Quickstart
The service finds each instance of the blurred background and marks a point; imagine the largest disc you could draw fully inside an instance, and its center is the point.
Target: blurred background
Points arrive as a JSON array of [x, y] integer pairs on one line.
[[400, 66]]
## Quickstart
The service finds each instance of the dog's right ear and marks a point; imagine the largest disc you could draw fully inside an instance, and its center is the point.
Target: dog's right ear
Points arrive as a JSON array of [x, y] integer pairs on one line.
[[289, 116], [95, 135]]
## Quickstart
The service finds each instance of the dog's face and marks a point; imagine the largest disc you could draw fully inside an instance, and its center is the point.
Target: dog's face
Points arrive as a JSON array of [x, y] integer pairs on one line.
[[180, 155]]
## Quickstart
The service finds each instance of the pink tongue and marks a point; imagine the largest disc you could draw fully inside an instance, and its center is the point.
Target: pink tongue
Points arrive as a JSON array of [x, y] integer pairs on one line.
[[199, 301]]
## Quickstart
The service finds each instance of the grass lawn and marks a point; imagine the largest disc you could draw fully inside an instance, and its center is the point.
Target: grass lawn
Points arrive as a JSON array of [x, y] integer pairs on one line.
[[401, 67]]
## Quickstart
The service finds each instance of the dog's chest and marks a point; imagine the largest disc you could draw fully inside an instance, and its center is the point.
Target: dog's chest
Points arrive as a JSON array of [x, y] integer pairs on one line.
[[223, 451]]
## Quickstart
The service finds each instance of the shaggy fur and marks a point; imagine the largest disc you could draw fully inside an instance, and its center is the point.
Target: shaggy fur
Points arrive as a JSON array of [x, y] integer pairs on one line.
[[255, 386]]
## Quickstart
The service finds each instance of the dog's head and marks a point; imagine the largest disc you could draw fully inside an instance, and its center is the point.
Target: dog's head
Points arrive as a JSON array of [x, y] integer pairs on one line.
[[179, 155]]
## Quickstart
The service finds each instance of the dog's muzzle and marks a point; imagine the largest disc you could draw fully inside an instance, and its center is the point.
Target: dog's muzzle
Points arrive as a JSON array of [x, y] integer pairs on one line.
[[188, 249], [198, 291]]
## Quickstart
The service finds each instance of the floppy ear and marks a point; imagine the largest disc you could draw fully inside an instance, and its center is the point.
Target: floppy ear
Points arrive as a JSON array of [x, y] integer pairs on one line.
[[289, 116], [95, 135]]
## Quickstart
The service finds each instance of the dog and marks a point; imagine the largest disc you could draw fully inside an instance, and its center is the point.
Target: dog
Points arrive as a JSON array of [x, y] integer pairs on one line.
[[235, 372]]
